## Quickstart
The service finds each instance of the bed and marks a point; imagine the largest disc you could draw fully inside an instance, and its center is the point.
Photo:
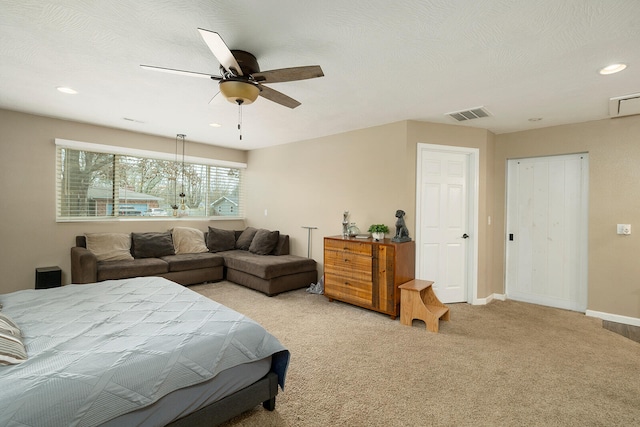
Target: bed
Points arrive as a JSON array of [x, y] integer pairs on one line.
[[141, 351]]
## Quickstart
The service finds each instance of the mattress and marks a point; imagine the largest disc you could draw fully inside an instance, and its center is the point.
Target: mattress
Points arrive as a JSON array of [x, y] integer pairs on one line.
[[184, 401], [100, 351]]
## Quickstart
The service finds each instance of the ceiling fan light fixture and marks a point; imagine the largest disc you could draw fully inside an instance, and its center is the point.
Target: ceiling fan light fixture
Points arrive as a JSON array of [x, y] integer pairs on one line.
[[239, 92]]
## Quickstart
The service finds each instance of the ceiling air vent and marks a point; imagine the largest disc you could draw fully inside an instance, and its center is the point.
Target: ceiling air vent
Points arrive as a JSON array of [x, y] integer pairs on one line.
[[470, 114], [626, 105]]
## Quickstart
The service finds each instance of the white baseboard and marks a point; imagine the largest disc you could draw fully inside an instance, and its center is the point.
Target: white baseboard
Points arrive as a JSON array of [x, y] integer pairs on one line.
[[487, 300], [633, 321]]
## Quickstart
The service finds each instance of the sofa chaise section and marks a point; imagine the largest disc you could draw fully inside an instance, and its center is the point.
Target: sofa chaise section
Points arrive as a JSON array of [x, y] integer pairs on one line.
[[270, 274]]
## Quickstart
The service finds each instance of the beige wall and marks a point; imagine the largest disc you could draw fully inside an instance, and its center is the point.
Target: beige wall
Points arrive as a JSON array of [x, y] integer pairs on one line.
[[614, 197], [29, 234], [310, 183], [369, 172]]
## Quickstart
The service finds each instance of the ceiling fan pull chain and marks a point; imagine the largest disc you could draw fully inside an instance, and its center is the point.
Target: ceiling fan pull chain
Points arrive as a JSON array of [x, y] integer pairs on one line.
[[240, 118]]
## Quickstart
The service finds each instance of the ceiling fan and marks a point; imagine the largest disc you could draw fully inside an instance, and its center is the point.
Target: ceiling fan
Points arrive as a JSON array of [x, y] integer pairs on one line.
[[242, 81]]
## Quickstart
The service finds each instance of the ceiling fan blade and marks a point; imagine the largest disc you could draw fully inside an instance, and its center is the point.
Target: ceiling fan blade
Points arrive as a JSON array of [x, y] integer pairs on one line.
[[180, 72], [220, 50], [288, 74], [277, 97]]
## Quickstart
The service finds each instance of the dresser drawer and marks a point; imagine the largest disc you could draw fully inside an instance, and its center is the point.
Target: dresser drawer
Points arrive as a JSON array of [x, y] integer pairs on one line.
[[348, 290], [359, 275], [348, 246], [345, 263]]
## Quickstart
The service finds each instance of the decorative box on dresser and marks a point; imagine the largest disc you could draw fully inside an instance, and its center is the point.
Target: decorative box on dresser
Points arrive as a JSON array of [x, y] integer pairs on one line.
[[367, 273]]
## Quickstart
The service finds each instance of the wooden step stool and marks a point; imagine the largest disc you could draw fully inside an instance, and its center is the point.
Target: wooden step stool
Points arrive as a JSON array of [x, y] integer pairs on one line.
[[417, 301]]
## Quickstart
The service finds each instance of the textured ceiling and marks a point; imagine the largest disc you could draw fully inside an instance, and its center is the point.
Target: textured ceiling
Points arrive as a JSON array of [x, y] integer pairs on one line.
[[383, 62]]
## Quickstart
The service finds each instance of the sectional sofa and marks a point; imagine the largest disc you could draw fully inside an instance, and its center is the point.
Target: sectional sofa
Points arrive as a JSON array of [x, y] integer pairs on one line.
[[256, 258]]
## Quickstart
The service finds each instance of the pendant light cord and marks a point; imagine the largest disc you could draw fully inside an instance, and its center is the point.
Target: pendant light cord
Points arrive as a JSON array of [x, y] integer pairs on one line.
[[183, 136], [182, 195]]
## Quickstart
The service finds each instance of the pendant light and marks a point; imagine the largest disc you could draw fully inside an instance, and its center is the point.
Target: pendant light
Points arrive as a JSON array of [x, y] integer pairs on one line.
[[183, 207], [174, 178]]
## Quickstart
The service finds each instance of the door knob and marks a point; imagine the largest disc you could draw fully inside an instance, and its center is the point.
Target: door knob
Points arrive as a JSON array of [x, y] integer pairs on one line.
[[465, 236]]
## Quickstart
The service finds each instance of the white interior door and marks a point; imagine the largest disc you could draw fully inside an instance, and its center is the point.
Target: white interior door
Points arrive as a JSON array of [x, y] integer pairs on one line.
[[546, 255], [444, 230]]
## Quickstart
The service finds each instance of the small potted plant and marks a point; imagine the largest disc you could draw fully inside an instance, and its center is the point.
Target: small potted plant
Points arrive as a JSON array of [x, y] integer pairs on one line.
[[378, 231]]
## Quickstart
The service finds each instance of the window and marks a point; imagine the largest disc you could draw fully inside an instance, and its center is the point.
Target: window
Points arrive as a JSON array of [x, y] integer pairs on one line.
[[102, 182]]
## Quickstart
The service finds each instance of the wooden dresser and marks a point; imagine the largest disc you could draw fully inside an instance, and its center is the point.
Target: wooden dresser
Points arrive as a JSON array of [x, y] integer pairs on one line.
[[367, 273]]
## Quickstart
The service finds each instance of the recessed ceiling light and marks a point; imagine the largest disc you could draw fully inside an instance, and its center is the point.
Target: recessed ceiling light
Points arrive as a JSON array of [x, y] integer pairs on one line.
[[68, 90], [129, 119], [215, 125], [613, 68]]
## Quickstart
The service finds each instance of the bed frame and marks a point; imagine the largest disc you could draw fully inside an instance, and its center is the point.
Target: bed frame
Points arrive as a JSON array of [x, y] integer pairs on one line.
[[262, 391]]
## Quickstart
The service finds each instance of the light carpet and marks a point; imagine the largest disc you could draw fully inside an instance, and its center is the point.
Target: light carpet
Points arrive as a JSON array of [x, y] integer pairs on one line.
[[503, 364]]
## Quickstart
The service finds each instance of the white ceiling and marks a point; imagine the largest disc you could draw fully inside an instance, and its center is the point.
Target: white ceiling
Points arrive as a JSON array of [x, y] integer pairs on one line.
[[384, 61]]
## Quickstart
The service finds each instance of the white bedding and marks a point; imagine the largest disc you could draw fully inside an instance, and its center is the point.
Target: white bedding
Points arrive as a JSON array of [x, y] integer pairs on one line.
[[98, 351]]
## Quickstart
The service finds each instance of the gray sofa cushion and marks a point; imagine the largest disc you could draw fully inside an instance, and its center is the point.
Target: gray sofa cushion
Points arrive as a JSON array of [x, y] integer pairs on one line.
[[244, 241], [264, 242], [220, 240], [152, 245], [184, 262], [108, 270], [267, 266], [282, 247]]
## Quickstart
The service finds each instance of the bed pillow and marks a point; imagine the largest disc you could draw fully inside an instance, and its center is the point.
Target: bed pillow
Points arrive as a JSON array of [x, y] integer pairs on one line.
[[264, 242], [245, 238], [219, 240], [152, 244], [8, 324], [12, 349], [188, 240], [109, 246]]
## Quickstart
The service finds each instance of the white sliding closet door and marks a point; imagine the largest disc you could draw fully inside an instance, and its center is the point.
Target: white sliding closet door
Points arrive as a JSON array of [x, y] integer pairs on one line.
[[547, 231]]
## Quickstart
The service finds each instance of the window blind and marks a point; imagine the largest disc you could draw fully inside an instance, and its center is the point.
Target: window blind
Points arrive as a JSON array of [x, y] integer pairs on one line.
[[99, 185]]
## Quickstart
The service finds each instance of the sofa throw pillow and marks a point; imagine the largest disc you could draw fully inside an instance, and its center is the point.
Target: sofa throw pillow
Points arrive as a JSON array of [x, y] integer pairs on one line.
[[12, 349], [264, 242], [109, 246], [152, 244], [219, 240], [245, 238], [188, 240]]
